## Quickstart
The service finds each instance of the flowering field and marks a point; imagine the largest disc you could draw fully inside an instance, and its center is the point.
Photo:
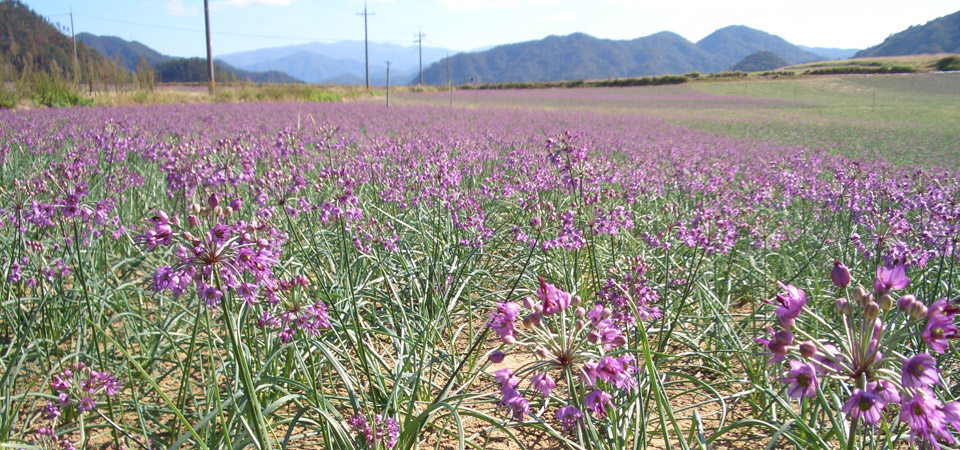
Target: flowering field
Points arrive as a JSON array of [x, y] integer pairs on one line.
[[350, 276]]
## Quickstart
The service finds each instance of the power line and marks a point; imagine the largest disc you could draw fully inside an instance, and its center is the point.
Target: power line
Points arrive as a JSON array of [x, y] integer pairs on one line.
[[194, 30]]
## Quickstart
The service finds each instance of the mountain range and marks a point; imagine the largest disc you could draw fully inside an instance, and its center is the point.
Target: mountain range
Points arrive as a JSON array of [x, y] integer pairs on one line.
[[341, 62], [554, 58], [580, 56]]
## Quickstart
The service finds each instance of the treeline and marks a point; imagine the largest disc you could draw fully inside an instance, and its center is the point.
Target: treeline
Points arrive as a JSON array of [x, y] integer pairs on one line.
[[187, 70], [616, 82], [37, 60]]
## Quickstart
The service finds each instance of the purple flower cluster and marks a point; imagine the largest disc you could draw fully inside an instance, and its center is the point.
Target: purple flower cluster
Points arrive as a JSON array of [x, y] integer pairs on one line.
[[556, 329], [628, 293], [77, 389], [863, 362], [381, 432]]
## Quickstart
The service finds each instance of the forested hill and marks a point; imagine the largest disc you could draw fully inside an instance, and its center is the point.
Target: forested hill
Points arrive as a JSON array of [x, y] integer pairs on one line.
[[941, 35], [580, 56], [31, 44]]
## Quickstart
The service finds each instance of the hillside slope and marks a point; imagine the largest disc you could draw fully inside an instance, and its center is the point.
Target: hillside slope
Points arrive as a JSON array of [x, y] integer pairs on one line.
[[941, 35], [29, 43]]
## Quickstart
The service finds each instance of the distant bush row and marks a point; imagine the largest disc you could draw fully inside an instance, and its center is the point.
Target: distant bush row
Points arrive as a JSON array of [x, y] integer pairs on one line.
[[616, 82], [948, 63], [44, 89], [841, 70]]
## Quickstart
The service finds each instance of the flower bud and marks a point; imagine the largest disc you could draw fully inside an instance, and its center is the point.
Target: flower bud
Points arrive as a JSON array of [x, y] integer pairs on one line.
[[840, 274], [808, 349], [496, 357], [188, 236], [214, 200], [885, 301], [227, 212], [580, 312], [607, 312], [217, 211], [535, 319], [509, 339], [576, 301], [195, 208], [904, 302], [192, 220], [527, 322], [917, 311], [528, 302], [786, 323], [861, 296], [871, 311], [593, 337], [580, 324], [619, 341], [783, 337], [542, 352], [842, 306], [236, 204], [175, 220]]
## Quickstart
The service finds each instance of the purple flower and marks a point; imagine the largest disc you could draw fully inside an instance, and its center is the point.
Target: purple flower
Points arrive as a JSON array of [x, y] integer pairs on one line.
[[514, 403], [211, 295], [802, 379], [923, 414], [920, 372], [568, 416], [951, 414], [778, 346], [890, 278], [87, 404], [939, 329], [617, 371], [840, 274], [53, 412], [554, 300], [791, 302], [505, 378], [597, 401], [503, 319], [887, 391], [384, 431], [496, 357], [865, 405], [220, 234], [543, 383]]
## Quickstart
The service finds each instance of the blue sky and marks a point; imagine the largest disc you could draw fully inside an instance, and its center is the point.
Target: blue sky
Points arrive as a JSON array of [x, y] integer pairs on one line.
[[175, 27]]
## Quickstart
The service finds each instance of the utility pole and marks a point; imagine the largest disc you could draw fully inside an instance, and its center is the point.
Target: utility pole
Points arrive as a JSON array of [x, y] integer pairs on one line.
[[419, 42], [366, 44], [388, 84], [76, 64], [206, 17]]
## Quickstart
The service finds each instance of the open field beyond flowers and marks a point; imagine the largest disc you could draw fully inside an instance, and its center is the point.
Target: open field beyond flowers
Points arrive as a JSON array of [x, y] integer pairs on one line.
[[670, 267]]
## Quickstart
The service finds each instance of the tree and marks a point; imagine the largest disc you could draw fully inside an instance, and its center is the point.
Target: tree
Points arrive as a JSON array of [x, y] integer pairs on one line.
[[146, 77]]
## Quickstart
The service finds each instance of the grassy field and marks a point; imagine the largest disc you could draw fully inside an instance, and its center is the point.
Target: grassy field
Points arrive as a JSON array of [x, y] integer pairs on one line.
[[905, 118]]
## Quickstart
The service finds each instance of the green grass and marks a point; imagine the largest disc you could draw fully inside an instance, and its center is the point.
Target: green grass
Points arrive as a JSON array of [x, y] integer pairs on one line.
[[891, 115]]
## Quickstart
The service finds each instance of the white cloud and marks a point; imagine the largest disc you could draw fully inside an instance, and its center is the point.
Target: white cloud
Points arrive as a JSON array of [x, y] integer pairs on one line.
[[556, 17], [177, 8]]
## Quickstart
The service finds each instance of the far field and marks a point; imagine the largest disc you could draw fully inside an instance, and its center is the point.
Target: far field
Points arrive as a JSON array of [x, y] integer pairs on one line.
[[909, 118]]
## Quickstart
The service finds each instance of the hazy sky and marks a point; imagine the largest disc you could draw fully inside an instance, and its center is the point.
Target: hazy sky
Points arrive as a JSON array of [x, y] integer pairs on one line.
[[175, 27]]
